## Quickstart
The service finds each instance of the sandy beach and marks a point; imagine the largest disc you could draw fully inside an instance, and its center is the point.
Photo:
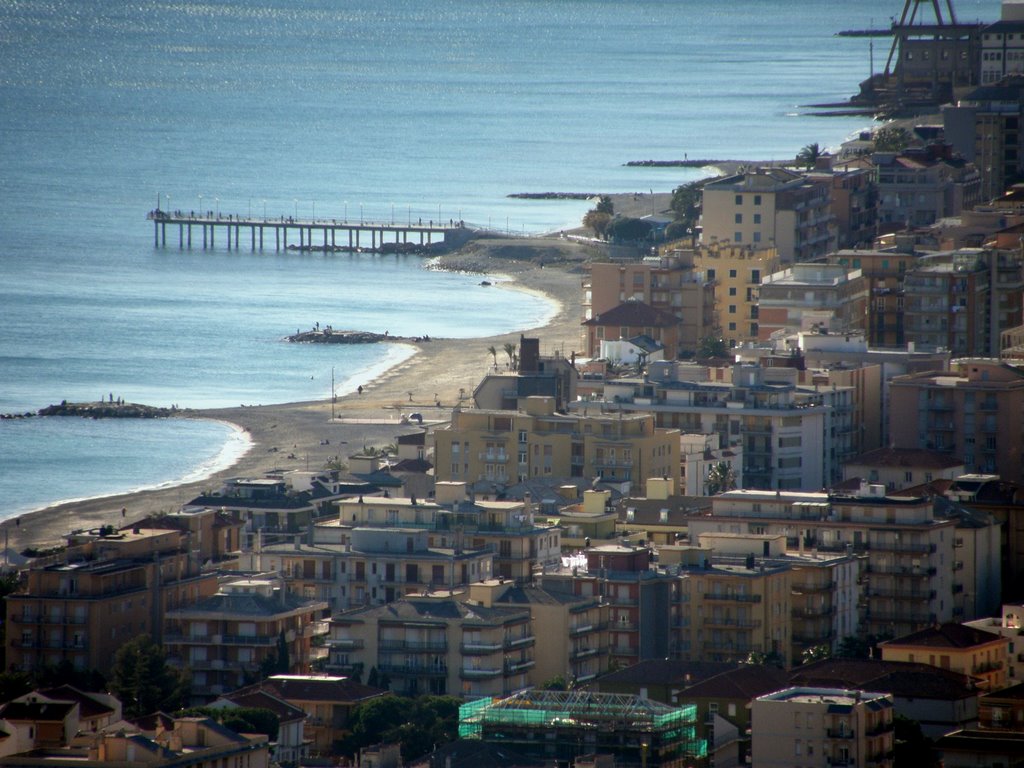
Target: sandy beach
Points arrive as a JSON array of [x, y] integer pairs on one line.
[[439, 372]]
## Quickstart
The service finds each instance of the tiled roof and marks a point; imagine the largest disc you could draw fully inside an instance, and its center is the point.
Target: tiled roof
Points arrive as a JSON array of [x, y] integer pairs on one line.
[[264, 699], [292, 688], [906, 457], [36, 710], [87, 706], [241, 604], [746, 682], [900, 678], [634, 314], [949, 635], [665, 672]]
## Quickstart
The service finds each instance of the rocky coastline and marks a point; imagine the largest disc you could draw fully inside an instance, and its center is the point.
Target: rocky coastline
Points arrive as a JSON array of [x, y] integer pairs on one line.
[[101, 410], [331, 336]]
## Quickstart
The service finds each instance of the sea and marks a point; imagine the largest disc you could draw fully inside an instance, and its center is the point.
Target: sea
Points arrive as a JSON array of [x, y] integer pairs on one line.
[[388, 110]]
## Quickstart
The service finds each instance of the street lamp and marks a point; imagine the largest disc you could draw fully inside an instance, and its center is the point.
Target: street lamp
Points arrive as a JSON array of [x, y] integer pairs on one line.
[[216, 204], [168, 203], [314, 211], [392, 214], [346, 211], [409, 222], [438, 214], [200, 206], [264, 209], [360, 213], [250, 207]]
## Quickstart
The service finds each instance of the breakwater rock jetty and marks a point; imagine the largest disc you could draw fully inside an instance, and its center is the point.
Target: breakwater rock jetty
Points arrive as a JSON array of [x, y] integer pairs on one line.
[[330, 336], [109, 410]]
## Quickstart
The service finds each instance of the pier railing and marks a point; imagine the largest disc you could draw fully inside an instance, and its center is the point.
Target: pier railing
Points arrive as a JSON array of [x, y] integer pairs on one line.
[[289, 233]]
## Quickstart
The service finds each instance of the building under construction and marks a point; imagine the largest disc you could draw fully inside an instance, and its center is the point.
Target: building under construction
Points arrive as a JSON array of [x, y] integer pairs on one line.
[[561, 726]]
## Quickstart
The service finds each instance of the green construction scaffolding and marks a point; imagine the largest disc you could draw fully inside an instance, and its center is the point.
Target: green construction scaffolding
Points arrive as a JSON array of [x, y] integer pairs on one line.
[[566, 724]]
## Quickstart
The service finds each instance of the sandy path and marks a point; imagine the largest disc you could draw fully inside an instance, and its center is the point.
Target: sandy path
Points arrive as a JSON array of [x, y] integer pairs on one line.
[[441, 367]]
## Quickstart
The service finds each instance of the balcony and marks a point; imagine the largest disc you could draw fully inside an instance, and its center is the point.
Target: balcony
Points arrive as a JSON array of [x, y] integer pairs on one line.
[[716, 621], [515, 667], [839, 733], [478, 648], [818, 612], [414, 670], [584, 653], [731, 597], [315, 629], [899, 594], [583, 629], [408, 646], [902, 546], [345, 644], [512, 643], [721, 646], [480, 674], [810, 589]]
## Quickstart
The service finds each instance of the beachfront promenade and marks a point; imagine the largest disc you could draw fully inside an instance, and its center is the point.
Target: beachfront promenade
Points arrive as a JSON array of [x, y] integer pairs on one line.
[[288, 233]]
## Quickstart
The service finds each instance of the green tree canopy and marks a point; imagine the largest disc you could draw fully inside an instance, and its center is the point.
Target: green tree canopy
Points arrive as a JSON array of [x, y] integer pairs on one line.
[[686, 203], [605, 205], [598, 221], [240, 719], [890, 138], [143, 681], [418, 724], [628, 230], [808, 156]]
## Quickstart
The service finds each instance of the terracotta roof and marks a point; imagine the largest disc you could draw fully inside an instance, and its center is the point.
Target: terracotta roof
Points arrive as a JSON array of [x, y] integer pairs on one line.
[[745, 682], [263, 699], [665, 672], [902, 679], [634, 314], [949, 635], [87, 706], [906, 457], [291, 688]]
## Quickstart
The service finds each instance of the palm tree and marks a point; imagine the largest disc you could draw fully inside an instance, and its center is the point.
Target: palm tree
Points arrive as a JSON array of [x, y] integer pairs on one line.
[[510, 350], [721, 478], [494, 354], [809, 155]]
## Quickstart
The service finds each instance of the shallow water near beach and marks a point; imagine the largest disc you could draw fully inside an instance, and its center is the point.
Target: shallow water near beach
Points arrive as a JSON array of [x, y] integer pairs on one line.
[[383, 110]]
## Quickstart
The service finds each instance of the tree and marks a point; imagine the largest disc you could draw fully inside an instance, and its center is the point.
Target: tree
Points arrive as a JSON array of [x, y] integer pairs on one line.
[[808, 156], [597, 221], [143, 681], [628, 230], [510, 350], [605, 205], [277, 661], [721, 478], [890, 138], [815, 653], [556, 683], [417, 724], [912, 746], [240, 719], [686, 203], [712, 346], [494, 354]]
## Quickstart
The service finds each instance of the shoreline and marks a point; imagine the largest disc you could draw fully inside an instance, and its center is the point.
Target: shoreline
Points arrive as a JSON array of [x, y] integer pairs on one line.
[[306, 430]]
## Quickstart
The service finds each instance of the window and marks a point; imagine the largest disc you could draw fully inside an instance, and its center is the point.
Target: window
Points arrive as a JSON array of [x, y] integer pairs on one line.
[[755, 276], [757, 199], [732, 273], [739, 218], [732, 291], [732, 309], [757, 218], [757, 237], [711, 274], [737, 237], [739, 199]]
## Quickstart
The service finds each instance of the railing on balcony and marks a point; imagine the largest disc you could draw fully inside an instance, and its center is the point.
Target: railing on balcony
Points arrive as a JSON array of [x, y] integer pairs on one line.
[[804, 589], [409, 646], [414, 670], [898, 594], [480, 674], [817, 612], [519, 642], [515, 667], [345, 643], [734, 597], [717, 621]]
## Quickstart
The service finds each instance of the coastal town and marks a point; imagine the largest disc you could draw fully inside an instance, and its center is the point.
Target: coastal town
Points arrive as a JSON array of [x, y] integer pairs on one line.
[[753, 496]]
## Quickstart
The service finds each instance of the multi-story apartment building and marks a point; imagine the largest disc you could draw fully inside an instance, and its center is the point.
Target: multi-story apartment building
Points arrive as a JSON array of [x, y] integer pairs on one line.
[[505, 447], [961, 300], [958, 647], [669, 284], [699, 454], [436, 645], [551, 375], [822, 727], [883, 272], [1008, 625], [786, 431], [638, 599], [984, 126], [572, 636], [737, 272], [900, 468], [818, 296], [854, 202], [919, 186], [224, 639], [1002, 45], [974, 411], [911, 563], [348, 566], [773, 207], [110, 587]]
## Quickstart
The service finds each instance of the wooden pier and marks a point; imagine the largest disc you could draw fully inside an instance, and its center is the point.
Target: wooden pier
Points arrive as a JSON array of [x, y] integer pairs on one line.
[[237, 232]]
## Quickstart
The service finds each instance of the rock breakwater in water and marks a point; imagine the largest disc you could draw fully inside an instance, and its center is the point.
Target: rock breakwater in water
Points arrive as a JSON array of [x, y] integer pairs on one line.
[[104, 410], [331, 336]]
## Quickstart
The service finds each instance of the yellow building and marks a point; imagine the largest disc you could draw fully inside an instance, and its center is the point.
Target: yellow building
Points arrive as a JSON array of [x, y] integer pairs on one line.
[[957, 647], [506, 447], [737, 271]]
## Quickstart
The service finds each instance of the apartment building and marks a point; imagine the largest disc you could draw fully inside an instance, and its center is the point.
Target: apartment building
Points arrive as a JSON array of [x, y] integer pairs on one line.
[[805, 297], [770, 207], [571, 630], [884, 272], [505, 447], [699, 455], [958, 647], [1008, 624], [919, 186], [629, 320], [110, 587], [900, 468], [822, 727], [911, 563], [974, 411], [551, 375], [737, 272], [352, 566], [854, 202], [1002, 45], [436, 645], [670, 284], [224, 639], [785, 430]]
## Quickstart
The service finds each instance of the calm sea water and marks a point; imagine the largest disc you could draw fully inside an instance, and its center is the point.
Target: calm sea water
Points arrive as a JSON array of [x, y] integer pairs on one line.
[[385, 109]]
